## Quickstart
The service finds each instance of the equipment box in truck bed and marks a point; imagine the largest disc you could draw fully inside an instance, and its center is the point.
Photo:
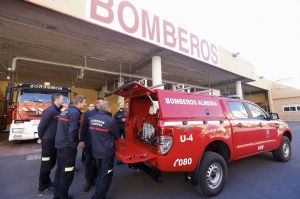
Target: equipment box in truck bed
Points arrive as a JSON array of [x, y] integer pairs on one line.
[[198, 134]]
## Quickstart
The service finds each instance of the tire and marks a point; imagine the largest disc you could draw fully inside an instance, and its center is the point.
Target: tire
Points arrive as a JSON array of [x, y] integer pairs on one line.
[[211, 174], [284, 152]]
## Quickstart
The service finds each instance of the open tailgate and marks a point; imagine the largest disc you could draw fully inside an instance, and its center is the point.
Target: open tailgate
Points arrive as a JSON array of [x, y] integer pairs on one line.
[[132, 89], [129, 152]]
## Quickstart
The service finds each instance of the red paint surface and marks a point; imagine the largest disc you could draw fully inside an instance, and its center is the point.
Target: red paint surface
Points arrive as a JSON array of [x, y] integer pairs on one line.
[[219, 126]]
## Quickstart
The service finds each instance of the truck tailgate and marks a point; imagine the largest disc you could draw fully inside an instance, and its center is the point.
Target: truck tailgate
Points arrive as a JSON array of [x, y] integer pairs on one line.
[[129, 152]]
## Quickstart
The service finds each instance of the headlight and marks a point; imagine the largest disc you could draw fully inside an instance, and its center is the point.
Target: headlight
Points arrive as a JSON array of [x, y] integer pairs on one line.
[[17, 130]]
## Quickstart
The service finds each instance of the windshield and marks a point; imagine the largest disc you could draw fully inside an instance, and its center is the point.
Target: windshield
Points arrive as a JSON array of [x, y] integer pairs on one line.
[[39, 96]]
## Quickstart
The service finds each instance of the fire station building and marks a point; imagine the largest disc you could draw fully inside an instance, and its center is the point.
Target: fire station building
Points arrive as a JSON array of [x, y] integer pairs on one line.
[[95, 46]]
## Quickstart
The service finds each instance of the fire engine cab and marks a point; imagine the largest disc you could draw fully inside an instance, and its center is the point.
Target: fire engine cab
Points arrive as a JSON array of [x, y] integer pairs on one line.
[[173, 131], [24, 109]]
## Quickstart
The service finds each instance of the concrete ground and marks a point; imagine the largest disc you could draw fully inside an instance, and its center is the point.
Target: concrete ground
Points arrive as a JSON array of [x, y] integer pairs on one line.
[[258, 177]]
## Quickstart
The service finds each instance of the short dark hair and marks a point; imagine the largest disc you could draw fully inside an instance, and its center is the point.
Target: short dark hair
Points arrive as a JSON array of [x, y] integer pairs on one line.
[[78, 99], [55, 96], [99, 99]]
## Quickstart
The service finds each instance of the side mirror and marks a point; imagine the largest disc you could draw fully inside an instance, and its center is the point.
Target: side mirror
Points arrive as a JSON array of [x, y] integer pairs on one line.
[[274, 116]]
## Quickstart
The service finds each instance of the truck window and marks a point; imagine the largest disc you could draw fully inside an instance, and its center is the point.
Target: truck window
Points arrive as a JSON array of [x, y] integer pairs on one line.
[[257, 112], [238, 110], [38, 96]]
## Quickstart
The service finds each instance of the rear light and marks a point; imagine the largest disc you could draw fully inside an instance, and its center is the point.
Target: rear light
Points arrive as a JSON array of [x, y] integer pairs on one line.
[[164, 144], [165, 141], [17, 130]]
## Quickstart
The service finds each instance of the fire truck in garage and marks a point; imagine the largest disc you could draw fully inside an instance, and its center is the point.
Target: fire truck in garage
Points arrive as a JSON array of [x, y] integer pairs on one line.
[[23, 107], [173, 131]]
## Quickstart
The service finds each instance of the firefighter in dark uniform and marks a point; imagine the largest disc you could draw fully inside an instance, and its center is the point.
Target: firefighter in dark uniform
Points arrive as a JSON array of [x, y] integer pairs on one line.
[[91, 169], [46, 133], [120, 117], [66, 141], [103, 131]]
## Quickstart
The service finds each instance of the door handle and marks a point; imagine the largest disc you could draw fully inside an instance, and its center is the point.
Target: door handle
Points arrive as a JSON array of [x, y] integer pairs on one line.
[[240, 125], [260, 124]]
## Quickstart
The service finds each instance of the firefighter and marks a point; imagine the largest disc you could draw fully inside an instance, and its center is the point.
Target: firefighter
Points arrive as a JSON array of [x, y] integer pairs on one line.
[[46, 133], [91, 106], [91, 170], [66, 141], [103, 131], [120, 117]]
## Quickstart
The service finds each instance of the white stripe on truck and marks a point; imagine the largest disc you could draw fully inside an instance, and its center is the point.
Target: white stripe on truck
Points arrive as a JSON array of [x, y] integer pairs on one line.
[[181, 123]]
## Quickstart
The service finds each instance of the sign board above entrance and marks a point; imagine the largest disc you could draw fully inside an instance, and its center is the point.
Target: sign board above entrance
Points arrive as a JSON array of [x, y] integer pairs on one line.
[[127, 18]]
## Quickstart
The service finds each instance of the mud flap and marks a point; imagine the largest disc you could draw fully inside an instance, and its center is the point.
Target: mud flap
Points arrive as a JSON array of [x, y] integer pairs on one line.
[[129, 152]]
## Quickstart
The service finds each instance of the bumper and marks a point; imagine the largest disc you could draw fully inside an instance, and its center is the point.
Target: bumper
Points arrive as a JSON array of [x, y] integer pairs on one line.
[[134, 152], [129, 152], [23, 131]]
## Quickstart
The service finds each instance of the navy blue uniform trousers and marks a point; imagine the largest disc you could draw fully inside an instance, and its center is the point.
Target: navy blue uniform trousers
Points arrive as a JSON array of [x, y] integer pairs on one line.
[[66, 157], [105, 174], [91, 168], [48, 162]]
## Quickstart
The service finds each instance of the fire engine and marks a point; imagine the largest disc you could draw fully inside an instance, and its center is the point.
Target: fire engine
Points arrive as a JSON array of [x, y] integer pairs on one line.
[[24, 105], [196, 133]]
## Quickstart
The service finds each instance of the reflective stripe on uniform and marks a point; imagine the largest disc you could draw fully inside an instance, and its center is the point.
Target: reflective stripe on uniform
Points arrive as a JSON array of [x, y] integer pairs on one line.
[[64, 119], [99, 129], [109, 171], [68, 169], [45, 158]]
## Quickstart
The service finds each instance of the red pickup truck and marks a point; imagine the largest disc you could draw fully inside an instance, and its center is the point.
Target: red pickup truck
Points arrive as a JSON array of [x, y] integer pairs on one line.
[[173, 131]]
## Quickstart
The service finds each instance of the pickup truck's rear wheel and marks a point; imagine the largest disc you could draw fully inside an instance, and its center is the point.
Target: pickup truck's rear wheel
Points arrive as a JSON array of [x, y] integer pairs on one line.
[[284, 152], [211, 174]]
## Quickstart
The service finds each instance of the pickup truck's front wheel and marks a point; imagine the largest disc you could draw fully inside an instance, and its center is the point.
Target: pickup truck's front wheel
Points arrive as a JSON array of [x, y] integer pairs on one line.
[[283, 153], [211, 174]]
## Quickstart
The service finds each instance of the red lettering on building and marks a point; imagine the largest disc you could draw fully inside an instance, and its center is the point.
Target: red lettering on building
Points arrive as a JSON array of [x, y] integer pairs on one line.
[[214, 54], [194, 44], [150, 30], [122, 6], [124, 17], [107, 6], [205, 50], [169, 33], [182, 40]]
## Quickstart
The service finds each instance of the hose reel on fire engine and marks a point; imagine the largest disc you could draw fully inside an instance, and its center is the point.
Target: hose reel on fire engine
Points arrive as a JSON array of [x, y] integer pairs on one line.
[[145, 127]]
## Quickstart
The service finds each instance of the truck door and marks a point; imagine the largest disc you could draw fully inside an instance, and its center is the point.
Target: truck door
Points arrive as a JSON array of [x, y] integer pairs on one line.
[[245, 134], [267, 129]]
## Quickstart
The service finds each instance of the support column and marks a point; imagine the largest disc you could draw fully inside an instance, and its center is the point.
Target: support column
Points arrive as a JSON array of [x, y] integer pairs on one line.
[[156, 71], [270, 100], [121, 83], [238, 88]]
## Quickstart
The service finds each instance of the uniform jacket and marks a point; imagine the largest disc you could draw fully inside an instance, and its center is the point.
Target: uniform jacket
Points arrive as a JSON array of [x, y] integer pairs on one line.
[[67, 133], [84, 134], [103, 130], [48, 124], [118, 117]]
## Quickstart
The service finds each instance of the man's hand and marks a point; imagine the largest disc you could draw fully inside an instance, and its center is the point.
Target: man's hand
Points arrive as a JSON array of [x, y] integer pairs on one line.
[[39, 141], [81, 145]]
